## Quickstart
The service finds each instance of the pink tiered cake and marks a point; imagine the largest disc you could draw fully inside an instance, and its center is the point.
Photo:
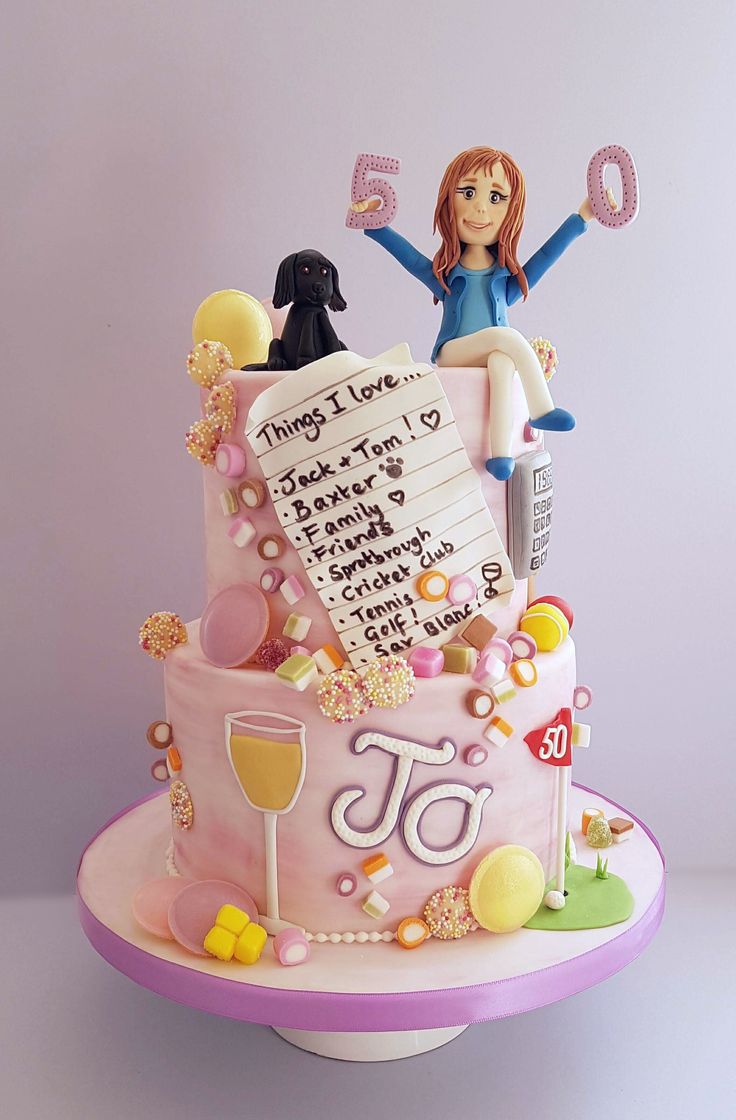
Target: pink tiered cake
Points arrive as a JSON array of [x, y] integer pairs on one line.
[[403, 782]]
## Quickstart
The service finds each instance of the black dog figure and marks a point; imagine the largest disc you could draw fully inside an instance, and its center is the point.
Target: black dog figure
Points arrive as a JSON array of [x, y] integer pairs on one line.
[[308, 281]]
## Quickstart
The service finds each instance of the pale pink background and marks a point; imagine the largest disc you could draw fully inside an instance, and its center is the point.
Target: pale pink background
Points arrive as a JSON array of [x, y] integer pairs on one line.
[[152, 153]]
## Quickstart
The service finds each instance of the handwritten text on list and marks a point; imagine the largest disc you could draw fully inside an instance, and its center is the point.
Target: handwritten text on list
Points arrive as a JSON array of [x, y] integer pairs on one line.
[[373, 486]]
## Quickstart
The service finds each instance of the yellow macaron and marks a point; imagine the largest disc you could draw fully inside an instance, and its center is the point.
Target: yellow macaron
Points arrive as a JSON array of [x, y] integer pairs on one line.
[[507, 888]]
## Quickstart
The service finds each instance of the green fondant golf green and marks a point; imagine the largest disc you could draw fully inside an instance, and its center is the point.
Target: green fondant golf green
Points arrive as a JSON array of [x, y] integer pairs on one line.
[[590, 904]]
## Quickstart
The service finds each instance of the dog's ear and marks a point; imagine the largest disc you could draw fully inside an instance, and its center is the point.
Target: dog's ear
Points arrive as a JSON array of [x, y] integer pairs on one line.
[[337, 303], [285, 289]]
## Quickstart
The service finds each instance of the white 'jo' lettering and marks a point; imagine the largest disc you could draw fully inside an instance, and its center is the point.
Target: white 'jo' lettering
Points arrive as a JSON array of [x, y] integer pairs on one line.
[[406, 753]]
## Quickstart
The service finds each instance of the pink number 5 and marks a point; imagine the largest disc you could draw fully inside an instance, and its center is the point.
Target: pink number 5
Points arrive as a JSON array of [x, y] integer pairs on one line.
[[364, 188], [613, 219]]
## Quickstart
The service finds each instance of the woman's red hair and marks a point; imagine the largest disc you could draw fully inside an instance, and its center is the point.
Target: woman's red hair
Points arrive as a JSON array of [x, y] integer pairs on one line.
[[449, 252]]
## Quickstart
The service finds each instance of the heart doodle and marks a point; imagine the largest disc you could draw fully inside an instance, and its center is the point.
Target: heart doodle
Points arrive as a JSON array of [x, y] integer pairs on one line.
[[397, 496], [431, 419]]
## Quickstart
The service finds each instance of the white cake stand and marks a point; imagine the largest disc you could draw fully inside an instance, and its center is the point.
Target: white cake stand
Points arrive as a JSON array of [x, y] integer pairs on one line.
[[372, 1002]]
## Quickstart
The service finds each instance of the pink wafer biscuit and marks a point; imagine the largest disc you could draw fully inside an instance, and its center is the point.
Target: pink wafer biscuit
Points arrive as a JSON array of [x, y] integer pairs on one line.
[[194, 909], [234, 625], [152, 901]]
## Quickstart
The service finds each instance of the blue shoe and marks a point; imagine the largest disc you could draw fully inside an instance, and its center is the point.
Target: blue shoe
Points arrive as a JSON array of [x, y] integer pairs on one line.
[[501, 467], [558, 420]]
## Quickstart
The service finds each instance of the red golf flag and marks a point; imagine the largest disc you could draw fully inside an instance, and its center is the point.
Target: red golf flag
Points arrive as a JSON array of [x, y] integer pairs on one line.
[[553, 744]]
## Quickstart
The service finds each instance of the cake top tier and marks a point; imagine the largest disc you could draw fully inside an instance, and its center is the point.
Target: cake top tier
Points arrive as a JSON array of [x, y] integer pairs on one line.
[[357, 477]]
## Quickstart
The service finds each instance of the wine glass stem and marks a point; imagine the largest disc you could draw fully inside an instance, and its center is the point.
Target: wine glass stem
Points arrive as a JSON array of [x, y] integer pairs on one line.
[[270, 821]]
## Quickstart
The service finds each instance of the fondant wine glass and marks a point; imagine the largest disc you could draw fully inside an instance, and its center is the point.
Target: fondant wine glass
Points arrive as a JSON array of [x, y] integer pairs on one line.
[[269, 760]]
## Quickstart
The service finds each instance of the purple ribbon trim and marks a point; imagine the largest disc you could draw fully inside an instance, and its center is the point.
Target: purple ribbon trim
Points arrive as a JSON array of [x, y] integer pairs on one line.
[[391, 1011]]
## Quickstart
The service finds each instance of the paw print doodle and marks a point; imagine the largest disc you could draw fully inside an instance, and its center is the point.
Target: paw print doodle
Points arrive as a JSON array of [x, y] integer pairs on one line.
[[394, 468]]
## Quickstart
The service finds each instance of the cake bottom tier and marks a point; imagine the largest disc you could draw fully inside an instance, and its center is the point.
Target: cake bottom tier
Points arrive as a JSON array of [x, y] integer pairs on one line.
[[394, 782]]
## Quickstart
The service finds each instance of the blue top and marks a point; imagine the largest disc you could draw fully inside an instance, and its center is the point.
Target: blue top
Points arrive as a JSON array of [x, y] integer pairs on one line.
[[476, 310], [503, 289]]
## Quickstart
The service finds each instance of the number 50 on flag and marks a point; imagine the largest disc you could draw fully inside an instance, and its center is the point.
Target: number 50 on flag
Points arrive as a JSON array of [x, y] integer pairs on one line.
[[553, 744]]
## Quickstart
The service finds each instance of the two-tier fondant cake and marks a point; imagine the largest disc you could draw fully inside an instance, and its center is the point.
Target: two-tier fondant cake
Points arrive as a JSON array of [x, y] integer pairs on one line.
[[369, 733]]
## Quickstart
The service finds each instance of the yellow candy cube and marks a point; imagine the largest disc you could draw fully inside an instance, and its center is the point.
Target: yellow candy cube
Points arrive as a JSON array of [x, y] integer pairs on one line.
[[232, 918], [250, 944], [220, 943]]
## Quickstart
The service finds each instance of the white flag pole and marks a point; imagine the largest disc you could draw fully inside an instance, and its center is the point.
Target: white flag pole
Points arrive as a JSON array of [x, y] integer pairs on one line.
[[562, 787]]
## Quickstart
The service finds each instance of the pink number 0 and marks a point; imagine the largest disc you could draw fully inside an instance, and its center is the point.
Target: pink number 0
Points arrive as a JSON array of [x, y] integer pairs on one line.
[[613, 219], [364, 188]]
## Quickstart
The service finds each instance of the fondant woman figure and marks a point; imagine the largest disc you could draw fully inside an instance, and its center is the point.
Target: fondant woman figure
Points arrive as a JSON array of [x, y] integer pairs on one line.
[[476, 276]]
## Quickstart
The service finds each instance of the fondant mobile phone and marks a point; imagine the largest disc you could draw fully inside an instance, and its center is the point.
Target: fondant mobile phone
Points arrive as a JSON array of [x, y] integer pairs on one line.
[[530, 512]]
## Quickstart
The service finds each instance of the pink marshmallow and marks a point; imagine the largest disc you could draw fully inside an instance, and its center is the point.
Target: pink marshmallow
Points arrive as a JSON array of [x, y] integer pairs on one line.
[[582, 697], [242, 531], [291, 947], [500, 648], [489, 670], [230, 460], [475, 755], [523, 646], [271, 579], [426, 662], [292, 590], [462, 589]]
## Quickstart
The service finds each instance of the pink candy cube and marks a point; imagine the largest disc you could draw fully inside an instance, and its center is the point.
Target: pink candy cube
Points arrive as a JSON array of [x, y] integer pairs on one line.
[[489, 670], [292, 590], [426, 662], [500, 648], [242, 531]]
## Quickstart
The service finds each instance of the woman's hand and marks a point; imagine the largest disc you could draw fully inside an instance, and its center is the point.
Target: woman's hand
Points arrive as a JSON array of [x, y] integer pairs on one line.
[[365, 204], [586, 210]]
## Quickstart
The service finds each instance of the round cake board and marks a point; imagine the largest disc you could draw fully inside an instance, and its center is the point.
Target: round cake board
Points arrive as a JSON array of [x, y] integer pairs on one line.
[[375, 1001]]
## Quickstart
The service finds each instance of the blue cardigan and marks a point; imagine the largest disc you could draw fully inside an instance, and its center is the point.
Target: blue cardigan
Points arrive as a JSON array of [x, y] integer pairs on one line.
[[503, 288]]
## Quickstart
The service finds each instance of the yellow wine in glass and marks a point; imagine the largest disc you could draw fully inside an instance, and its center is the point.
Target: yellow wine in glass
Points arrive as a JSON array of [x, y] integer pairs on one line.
[[268, 755]]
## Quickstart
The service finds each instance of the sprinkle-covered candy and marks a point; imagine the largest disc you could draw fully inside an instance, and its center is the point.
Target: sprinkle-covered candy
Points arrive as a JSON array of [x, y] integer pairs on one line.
[[389, 681], [160, 633], [202, 440], [182, 810], [207, 362], [448, 913], [272, 654], [221, 406], [342, 696]]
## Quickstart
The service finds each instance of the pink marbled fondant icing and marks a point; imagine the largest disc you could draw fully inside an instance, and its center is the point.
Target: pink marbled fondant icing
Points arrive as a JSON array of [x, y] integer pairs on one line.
[[468, 393], [226, 840]]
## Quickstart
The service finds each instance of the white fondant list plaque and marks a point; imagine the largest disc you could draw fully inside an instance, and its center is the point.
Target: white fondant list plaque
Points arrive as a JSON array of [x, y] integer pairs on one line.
[[373, 486]]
